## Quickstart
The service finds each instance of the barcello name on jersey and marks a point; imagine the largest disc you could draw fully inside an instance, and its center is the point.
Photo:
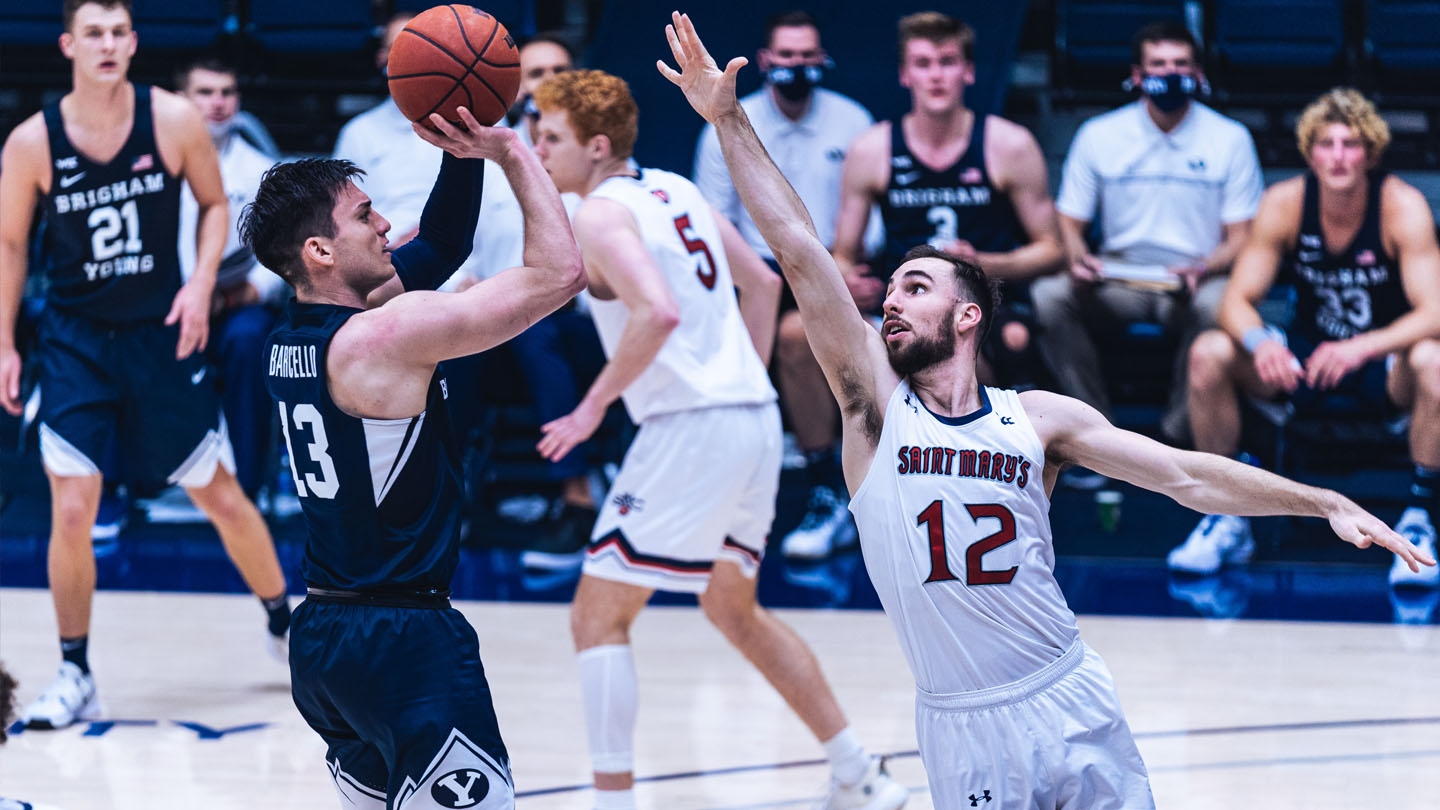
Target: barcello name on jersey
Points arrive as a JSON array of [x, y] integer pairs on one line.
[[994, 466], [293, 361]]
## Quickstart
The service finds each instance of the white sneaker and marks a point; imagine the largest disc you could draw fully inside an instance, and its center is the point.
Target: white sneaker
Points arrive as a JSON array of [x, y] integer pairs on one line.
[[278, 646], [826, 526], [1218, 540], [877, 791], [71, 697], [1416, 527]]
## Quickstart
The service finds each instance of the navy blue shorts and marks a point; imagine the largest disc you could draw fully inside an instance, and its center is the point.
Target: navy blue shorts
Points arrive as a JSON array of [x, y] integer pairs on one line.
[[1362, 392], [98, 381], [400, 697]]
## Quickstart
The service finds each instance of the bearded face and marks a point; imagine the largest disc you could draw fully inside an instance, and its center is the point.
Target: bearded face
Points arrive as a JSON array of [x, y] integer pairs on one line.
[[924, 348]]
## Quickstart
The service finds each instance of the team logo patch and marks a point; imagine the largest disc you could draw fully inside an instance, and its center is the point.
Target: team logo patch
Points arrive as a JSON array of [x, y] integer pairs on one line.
[[466, 787], [145, 161], [971, 175], [661, 195], [628, 503]]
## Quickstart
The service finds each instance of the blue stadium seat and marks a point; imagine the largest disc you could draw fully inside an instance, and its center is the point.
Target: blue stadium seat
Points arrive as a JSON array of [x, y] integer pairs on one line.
[[26, 22], [518, 16], [1283, 50], [1401, 39], [1092, 43], [313, 26], [182, 24]]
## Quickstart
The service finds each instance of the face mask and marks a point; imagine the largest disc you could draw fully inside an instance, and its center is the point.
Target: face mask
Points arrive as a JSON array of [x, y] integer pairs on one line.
[[220, 130], [796, 82], [522, 108], [1172, 91]]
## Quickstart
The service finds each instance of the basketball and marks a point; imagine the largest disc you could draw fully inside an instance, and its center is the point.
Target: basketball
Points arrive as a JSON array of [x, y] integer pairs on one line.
[[454, 56]]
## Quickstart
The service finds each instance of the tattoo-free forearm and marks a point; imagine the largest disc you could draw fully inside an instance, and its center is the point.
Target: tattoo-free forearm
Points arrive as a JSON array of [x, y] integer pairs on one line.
[[12, 289], [777, 210], [1213, 484]]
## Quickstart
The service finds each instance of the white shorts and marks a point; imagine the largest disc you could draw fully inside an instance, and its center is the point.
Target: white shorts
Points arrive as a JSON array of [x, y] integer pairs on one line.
[[1055, 740], [695, 487]]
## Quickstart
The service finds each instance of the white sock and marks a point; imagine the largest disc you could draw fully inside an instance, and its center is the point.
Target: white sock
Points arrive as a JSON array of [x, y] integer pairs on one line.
[[849, 760], [607, 683], [614, 800]]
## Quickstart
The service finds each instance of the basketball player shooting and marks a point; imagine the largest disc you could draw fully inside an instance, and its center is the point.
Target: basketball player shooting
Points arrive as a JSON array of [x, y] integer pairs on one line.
[[951, 485]]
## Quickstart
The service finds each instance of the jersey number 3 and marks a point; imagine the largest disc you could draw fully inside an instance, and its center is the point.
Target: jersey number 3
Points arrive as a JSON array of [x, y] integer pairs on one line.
[[307, 417], [933, 518]]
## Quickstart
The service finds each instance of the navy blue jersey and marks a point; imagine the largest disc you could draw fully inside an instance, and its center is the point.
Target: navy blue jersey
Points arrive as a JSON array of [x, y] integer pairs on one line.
[[922, 205], [382, 497], [111, 229], [1353, 290]]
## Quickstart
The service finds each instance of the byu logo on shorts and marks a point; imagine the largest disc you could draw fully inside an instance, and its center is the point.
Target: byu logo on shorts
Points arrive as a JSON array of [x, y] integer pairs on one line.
[[466, 787]]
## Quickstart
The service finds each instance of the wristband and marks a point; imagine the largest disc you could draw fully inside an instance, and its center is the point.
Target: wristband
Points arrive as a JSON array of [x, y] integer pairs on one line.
[[1257, 335]]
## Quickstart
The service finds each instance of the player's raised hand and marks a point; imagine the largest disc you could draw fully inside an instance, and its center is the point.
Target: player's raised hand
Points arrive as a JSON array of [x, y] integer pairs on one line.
[[474, 140], [709, 90], [1360, 528]]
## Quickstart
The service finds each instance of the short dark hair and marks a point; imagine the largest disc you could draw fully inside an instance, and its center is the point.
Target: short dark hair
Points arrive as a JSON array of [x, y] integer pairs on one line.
[[1162, 31], [7, 702], [552, 37], [295, 201], [214, 64], [67, 13], [789, 19], [975, 286]]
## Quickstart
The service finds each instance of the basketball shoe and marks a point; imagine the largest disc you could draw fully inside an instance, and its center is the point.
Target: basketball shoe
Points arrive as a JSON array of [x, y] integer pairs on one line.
[[1416, 527], [826, 526], [1218, 540], [71, 697], [877, 791]]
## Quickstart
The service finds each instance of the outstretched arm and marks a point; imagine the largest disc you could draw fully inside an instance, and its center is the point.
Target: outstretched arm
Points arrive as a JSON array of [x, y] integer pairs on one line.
[[1074, 432], [846, 347]]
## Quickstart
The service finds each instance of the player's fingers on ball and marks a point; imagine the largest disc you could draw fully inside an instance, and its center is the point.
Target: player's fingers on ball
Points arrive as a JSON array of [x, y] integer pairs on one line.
[[468, 118]]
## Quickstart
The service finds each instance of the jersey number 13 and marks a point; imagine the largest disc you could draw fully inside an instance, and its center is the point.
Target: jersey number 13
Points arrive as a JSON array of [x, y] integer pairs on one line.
[[306, 417]]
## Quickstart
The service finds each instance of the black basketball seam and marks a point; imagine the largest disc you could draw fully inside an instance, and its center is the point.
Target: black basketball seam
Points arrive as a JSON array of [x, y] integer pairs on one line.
[[469, 69]]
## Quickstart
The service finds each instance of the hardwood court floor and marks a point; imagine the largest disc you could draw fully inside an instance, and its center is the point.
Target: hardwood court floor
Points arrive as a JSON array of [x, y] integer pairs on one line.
[[1261, 714]]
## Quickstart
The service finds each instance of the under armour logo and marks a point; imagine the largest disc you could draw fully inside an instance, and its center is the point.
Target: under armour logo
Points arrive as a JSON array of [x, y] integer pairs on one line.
[[911, 404], [975, 800], [1005, 420], [462, 788]]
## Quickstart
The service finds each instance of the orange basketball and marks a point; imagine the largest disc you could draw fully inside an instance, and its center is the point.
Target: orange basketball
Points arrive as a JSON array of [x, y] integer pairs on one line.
[[454, 56]]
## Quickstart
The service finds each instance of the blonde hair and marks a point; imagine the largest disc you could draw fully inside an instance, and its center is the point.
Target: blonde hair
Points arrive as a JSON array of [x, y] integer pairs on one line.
[[936, 27], [1343, 105], [597, 104]]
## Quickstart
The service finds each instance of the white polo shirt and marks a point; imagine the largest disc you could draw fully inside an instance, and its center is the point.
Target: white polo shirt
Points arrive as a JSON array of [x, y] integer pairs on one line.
[[241, 167], [400, 168], [809, 152], [1161, 197]]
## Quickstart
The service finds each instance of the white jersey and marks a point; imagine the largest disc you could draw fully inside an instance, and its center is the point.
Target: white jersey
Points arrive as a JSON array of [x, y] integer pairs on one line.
[[708, 360], [954, 524]]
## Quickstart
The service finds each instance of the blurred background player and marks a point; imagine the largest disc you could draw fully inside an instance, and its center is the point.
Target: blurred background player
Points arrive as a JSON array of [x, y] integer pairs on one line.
[[122, 341], [689, 363], [1358, 245]]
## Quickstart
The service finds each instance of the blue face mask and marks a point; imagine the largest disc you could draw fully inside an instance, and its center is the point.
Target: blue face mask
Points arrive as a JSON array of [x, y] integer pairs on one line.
[[795, 82], [1172, 91]]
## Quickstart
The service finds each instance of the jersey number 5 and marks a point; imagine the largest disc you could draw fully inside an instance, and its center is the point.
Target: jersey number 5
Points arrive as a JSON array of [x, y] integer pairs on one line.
[[933, 518], [694, 244], [307, 417]]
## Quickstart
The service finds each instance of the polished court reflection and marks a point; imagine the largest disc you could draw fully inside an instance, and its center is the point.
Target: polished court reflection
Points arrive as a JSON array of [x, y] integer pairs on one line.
[[1272, 714]]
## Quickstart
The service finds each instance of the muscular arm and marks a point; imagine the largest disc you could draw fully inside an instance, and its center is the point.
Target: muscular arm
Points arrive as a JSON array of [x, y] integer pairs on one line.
[[447, 227], [615, 254], [1073, 432], [862, 177], [759, 288], [1024, 179], [1258, 261], [1409, 228], [24, 157], [200, 168]]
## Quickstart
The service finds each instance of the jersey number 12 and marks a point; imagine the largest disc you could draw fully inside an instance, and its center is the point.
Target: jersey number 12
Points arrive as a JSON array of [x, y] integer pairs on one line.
[[933, 518]]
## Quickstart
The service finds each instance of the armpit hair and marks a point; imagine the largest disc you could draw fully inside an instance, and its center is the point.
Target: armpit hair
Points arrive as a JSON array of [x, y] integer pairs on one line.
[[855, 400]]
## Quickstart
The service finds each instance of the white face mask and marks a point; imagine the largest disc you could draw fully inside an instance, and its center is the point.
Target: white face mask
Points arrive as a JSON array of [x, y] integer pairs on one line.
[[219, 130]]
